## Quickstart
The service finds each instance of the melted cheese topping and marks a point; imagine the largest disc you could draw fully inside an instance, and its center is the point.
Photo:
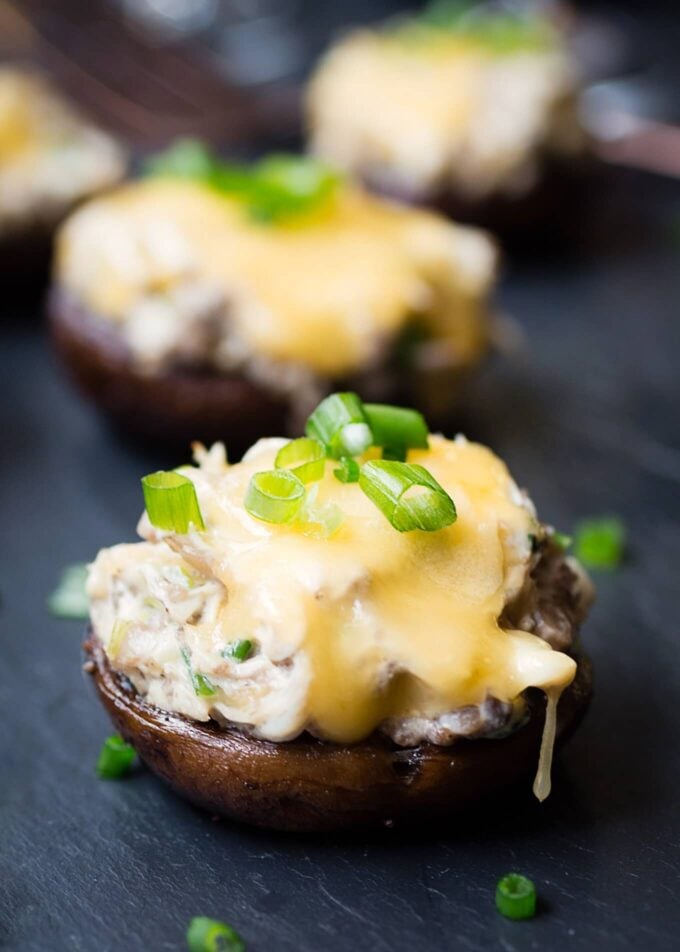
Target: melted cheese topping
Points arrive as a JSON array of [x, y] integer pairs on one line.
[[367, 625], [417, 116], [327, 291]]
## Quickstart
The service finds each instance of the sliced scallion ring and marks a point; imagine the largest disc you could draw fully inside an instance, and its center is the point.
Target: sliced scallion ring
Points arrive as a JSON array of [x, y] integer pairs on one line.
[[115, 758], [347, 471], [516, 897], [171, 502], [210, 935], [306, 458], [396, 429], [407, 495], [274, 495], [340, 424]]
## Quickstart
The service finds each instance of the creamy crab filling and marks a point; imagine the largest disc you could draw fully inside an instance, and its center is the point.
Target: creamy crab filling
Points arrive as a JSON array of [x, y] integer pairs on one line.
[[422, 118], [367, 629], [185, 277], [49, 156]]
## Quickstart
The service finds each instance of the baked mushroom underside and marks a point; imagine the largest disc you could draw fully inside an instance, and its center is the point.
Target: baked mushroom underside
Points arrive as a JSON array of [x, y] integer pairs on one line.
[[311, 785]]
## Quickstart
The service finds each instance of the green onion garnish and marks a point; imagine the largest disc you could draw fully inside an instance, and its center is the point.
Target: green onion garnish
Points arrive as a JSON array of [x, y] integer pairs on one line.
[[202, 685], [347, 471], [171, 502], [278, 187], [209, 935], [600, 543], [306, 458], [115, 758], [407, 495], [396, 429], [562, 540], [501, 31], [340, 424], [275, 495], [69, 599], [186, 158], [516, 897], [238, 650]]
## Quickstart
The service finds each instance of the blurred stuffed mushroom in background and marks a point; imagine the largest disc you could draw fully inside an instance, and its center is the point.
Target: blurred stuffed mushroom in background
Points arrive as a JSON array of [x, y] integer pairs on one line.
[[51, 158], [470, 108], [218, 300]]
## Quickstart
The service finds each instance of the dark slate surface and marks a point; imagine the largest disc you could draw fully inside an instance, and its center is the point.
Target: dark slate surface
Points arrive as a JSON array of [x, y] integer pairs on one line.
[[586, 411]]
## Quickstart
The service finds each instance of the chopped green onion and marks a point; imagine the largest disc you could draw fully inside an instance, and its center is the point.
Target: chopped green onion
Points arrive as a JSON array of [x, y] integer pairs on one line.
[[115, 758], [210, 935], [70, 599], [306, 458], [276, 188], [340, 424], [562, 540], [516, 897], [117, 637], [502, 31], [396, 429], [347, 471], [171, 502], [600, 543], [407, 495], [321, 520], [275, 495], [186, 158], [238, 650], [202, 685], [533, 541]]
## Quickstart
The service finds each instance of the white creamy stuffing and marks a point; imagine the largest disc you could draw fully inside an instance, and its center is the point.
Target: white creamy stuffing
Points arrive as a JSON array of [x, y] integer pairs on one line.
[[50, 157]]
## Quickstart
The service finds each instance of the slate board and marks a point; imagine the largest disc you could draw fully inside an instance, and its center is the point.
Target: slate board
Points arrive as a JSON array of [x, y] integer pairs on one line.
[[586, 413]]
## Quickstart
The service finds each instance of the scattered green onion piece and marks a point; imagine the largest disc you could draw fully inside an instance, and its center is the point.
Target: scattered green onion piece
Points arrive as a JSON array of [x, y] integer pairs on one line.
[[396, 429], [275, 495], [306, 458], [202, 685], [238, 650], [562, 540], [340, 424], [69, 599], [516, 897], [347, 471], [533, 541], [171, 502], [115, 758], [600, 543], [210, 935], [389, 484]]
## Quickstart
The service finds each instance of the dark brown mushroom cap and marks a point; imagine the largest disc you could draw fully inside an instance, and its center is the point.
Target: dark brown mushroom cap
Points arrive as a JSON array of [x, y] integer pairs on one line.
[[309, 785], [177, 406]]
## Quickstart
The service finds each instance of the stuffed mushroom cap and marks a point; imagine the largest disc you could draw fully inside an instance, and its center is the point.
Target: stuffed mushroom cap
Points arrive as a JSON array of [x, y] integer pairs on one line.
[[181, 272], [337, 625], [468, 103]]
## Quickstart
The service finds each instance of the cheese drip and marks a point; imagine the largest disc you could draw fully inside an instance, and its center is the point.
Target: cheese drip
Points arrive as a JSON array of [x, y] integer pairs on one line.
[[327, 290], [367, 625]]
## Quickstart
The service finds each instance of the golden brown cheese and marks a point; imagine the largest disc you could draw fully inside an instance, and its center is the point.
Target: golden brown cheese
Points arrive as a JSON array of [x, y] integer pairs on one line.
[[328, 290]]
